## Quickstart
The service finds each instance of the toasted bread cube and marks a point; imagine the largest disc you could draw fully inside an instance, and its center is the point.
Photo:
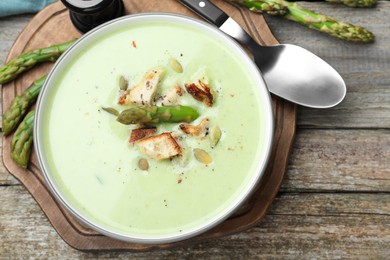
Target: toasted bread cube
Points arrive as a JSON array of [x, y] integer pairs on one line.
[[143, 92], [196, 130], [171, 97], [140, 133], [159, 147]]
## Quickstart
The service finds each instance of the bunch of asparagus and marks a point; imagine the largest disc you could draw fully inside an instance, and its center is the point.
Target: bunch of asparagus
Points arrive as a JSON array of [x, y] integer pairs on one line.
[[320, 22], [17, 116]]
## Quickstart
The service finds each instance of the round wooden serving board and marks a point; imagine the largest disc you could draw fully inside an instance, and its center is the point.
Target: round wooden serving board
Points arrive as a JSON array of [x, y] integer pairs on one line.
[[51, 26]]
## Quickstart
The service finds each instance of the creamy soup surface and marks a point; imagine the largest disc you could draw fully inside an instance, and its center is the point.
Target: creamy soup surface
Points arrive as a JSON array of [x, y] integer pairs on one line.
[[96, 168]]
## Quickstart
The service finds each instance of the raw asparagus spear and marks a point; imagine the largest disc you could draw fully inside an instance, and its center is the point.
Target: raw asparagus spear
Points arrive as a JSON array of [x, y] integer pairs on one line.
[[354, 3], [350, 3], [28, 59], [323, 23], [157, 114], [22, 141], [19, 106]]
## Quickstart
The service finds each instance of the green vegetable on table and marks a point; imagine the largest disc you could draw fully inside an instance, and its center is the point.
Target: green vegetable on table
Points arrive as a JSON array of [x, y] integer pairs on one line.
[[19, 106], [29, 59], [22, 140], [354, 3], [323, 23], [157, 114], [350, 3]]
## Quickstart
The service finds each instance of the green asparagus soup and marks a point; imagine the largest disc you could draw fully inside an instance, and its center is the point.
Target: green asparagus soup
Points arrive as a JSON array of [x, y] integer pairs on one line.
[[95, 168]]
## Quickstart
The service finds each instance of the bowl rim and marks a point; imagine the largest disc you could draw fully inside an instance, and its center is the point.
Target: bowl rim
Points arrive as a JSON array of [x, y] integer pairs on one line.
[[205, 226]]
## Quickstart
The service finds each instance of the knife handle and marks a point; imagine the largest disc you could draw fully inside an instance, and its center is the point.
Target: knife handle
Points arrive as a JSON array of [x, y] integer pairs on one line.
[[207, 10]]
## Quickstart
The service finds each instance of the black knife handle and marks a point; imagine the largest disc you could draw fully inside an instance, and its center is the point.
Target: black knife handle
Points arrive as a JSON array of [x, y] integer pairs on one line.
[[207, 10]]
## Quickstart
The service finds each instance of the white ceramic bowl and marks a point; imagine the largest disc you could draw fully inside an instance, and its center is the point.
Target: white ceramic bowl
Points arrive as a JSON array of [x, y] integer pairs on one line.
[[45, 104]]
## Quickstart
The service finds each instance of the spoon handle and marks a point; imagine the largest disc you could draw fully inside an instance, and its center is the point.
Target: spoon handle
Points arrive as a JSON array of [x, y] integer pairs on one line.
[[207, 10], [216, 16]]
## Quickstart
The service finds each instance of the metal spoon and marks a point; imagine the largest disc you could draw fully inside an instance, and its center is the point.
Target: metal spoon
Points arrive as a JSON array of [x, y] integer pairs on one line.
[[289, 71]]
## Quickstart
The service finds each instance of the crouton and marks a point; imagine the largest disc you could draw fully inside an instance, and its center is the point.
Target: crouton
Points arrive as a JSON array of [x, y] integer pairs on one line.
[[159, 147], [171, 97], [143, 92], [140, 133], [199, 130], [201, 91]]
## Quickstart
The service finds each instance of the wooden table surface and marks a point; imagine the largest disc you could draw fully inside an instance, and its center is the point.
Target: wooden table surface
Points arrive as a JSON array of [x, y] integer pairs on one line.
[[335, 199]]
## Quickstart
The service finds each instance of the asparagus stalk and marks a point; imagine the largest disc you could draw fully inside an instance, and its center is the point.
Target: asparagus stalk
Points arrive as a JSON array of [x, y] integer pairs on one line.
[[28, 59], [19, 106], [22, 141], [157, 114], [350, 3], [354, 3], [323, 23]]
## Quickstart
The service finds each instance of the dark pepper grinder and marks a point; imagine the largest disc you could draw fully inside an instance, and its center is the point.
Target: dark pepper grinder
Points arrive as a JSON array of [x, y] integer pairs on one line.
[[87, 14]]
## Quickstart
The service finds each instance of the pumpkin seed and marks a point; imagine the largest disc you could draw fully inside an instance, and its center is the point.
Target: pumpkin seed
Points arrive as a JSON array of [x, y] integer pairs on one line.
[[202, 156], [123, 83], [215, 135], [143, 164], [176, 66], [111, 110]]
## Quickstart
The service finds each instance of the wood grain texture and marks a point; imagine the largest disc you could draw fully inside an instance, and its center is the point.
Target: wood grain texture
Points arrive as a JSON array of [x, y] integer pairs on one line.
[[39, 32], [302, 225], [339, 160]]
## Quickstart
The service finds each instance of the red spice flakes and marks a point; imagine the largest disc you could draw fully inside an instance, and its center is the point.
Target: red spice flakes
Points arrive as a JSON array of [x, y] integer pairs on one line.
[[134, 44], [232, 95], [122, 99]]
